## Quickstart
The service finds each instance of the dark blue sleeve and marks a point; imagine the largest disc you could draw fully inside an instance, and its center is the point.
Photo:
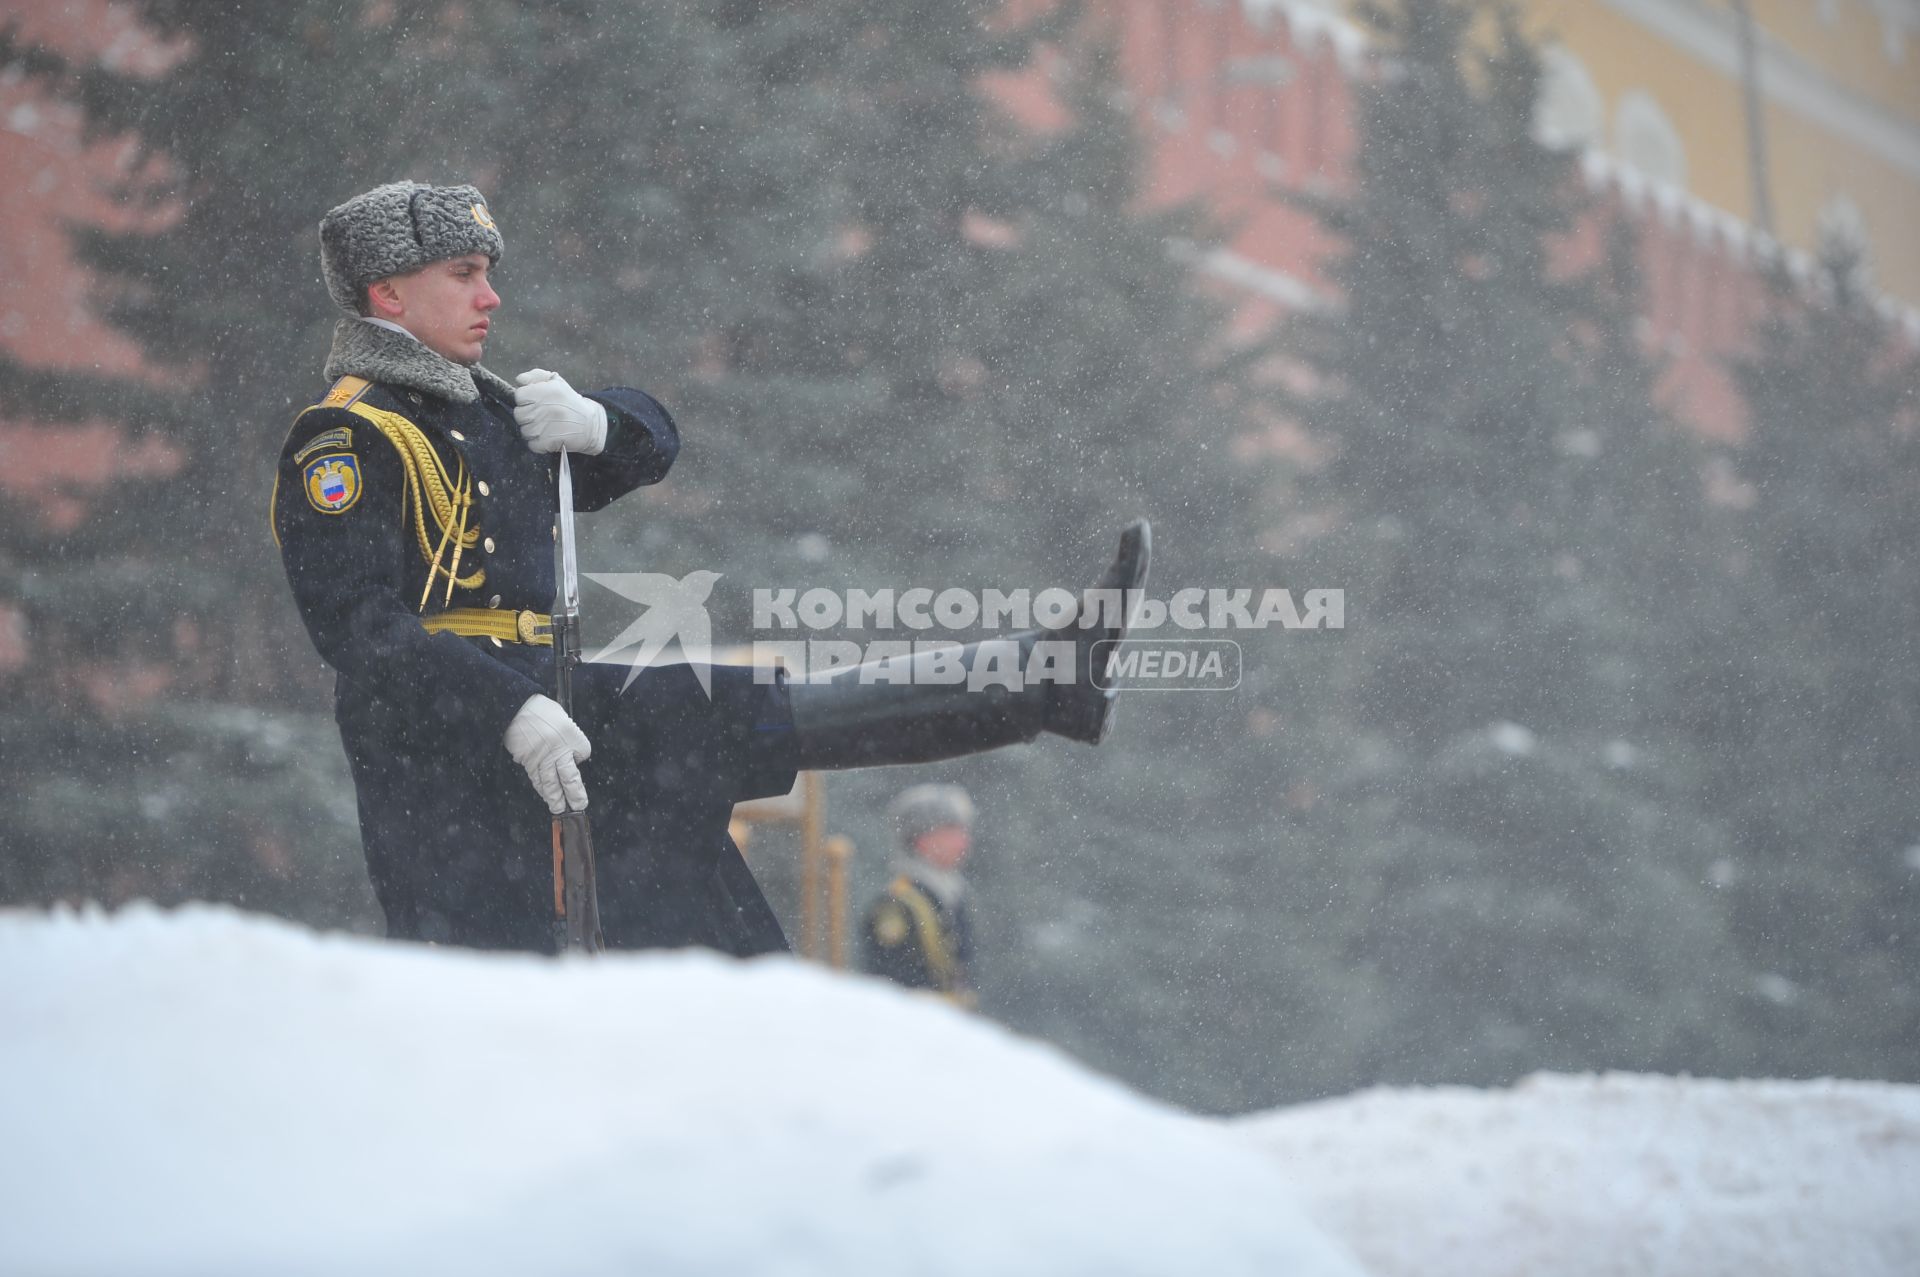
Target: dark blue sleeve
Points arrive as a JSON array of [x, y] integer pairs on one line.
[[348, 567], [642, 442]]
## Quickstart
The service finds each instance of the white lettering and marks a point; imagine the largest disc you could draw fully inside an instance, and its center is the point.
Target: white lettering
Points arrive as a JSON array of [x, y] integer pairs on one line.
[[824, 656], [1328, 606], [1051, 661], [1277, 605], [1055, 608], [1186, 609], [1005, 611], [820, 608], [1105, 609], [938, 661], [1229, 607], [913, 609], [773, 609], [956, 609], [887, 661], [996, 661], [865, 609]]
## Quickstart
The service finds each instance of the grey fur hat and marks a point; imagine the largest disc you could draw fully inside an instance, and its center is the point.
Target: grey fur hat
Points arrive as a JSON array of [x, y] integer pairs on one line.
[[925, 808], [397, 228]]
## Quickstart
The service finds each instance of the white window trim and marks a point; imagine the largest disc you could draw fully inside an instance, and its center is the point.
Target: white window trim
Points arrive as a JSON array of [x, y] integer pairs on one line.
[[1789, 81]]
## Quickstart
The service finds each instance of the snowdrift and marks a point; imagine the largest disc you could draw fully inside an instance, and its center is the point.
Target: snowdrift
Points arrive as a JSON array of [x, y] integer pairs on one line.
[[208, 1093], [1622, 1175]]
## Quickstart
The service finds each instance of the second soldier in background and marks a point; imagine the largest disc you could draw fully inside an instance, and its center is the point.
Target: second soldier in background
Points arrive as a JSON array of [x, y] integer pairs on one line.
[[917, 932]]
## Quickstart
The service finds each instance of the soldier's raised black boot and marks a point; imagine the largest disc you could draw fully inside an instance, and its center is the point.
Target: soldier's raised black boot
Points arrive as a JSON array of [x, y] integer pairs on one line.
[[943, 704]]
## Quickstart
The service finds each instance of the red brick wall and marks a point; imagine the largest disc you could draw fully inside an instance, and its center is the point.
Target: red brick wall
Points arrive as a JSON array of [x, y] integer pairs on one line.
[[50, 177], [1219, 131], [1227, 138]]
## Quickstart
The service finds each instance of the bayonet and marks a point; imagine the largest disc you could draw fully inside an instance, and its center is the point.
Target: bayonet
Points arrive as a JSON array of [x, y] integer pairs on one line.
[[576, 899]]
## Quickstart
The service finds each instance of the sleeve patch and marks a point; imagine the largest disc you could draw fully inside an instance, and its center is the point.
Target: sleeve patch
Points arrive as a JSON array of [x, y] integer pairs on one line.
[[333, 482], [338, 437]]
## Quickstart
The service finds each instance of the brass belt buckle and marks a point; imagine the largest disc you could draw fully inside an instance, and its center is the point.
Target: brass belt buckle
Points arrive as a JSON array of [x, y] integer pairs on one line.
[[528, 627]]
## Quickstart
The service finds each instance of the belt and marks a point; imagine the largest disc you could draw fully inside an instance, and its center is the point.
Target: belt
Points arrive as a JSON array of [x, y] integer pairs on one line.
[[533, 628]]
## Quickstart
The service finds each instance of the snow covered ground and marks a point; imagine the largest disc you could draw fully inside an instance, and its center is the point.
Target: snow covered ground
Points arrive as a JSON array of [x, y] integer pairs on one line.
[[207, 1093], [1625, 1175], [203, 1092]]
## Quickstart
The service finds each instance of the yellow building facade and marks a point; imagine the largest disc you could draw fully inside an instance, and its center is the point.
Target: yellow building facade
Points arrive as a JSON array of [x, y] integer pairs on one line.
[[1659, 86]]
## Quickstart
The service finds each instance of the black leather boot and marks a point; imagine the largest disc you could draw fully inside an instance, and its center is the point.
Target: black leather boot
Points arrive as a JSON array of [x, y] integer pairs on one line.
[[909, 709]]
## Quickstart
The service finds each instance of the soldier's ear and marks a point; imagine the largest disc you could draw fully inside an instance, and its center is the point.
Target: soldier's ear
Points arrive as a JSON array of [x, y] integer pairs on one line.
[[383, 299]]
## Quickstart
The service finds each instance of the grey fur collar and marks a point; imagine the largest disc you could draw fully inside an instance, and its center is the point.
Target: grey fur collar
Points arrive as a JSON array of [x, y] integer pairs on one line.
[[393, 359]]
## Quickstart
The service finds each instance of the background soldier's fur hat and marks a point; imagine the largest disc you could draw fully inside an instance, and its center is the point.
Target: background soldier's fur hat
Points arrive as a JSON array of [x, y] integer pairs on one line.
[[397, 228], [925, 808]]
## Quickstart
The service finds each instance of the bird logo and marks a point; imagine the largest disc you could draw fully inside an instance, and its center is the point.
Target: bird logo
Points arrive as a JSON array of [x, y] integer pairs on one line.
[[674, 613]]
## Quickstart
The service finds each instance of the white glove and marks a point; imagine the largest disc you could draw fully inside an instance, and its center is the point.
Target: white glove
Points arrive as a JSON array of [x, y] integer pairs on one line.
[[553, 415], [551, 747]]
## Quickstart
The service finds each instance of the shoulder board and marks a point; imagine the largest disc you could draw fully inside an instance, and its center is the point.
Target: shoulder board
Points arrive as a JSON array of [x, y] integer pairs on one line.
[[345, 392]]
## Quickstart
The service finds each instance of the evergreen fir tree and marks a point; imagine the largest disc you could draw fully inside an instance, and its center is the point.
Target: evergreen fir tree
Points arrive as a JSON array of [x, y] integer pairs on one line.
[[116, 795], [887, 318], [1514, 517], [1454, 404], [1816, 764]]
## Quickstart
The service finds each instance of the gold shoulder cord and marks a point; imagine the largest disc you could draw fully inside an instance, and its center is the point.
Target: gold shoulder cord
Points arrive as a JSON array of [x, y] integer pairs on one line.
[[932, 943], [447, 498], [431, 491]]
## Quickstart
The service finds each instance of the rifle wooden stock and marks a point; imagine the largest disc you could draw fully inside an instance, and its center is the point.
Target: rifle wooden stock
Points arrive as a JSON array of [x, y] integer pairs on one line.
[[576, 897]]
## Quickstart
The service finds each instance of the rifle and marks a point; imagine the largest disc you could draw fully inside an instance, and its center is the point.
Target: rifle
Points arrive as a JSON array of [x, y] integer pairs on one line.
[[576, 897]]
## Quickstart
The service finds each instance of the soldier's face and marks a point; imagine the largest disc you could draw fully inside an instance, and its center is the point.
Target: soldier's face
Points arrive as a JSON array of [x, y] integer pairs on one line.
[[448, 305], [945, 847]]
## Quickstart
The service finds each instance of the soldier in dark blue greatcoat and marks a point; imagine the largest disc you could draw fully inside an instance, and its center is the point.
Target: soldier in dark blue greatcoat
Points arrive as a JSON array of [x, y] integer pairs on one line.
[[919, 931], [414, 508]]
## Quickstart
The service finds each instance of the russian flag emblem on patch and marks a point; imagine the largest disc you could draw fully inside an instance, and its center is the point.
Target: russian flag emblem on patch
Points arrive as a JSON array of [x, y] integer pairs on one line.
[[333, 482]]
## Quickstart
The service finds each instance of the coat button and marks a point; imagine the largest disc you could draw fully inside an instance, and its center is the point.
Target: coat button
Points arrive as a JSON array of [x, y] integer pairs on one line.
[[496, 642], [556, 532], [457, 436], [484, 489], [413, 397], [494, 601], [487, 545]]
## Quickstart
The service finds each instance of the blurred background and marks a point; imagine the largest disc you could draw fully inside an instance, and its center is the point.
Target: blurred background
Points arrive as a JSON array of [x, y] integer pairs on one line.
[[1575, 342]]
